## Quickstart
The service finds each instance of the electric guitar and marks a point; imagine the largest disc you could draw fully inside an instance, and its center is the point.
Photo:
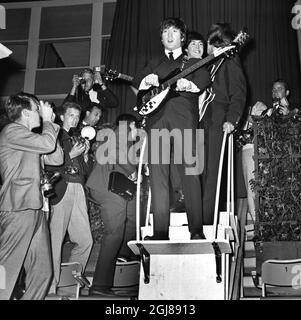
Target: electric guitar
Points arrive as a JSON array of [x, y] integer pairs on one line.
[[149, 101], [113, 74], [208, 95]]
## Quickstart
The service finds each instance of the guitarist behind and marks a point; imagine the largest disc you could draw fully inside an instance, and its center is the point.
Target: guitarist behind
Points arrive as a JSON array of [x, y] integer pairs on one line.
[[179, 111], [223, 112]]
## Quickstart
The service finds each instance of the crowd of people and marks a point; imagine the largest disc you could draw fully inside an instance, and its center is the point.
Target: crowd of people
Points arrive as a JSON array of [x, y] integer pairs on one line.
[[33, 227]]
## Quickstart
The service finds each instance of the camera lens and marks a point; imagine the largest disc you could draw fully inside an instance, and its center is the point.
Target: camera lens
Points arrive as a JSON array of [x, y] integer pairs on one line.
[[97, 69]]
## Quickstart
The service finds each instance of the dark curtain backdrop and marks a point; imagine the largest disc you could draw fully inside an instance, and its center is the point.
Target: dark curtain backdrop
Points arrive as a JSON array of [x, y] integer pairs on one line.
[[272, 52]]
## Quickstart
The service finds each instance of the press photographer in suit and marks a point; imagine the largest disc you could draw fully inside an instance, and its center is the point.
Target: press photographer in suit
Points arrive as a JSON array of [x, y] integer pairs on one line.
[[68, 206], [24, 234], [117, 214], [280, 107]]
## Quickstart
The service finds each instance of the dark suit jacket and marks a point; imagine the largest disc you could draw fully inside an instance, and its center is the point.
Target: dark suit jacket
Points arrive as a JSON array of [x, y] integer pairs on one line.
[[61, 185], [20, 161], [230, 90], [108, 155], [163, 67], [106, 98]]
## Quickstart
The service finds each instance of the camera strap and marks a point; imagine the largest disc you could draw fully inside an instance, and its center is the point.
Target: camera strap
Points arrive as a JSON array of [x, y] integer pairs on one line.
[[45, 200]]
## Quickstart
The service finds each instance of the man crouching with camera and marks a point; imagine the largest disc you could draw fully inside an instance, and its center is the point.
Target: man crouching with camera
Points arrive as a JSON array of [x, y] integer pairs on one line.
[[24, 235], [68, 206]]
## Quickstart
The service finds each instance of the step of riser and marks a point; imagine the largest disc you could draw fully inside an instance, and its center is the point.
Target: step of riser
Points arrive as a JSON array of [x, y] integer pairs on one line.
[[250, 236], [249, 254], [251, 292], [249, 265], [249, 249], [249, 283], [249, 288]]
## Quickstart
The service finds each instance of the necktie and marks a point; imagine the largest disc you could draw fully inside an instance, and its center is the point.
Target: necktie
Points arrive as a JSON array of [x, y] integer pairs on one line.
[[170, 56]]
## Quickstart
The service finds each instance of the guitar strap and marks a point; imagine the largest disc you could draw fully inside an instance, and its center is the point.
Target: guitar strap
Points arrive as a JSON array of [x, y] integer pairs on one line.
[[45, 200], [215, 68]]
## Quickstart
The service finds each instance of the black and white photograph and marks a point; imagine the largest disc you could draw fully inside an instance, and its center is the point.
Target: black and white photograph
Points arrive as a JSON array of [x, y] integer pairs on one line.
[[150, 153]]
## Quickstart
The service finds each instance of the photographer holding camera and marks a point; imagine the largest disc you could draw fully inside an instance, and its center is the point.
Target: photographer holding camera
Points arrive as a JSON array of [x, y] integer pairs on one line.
[[24, 235], [68, 206], [94, 97], [89, 90], [280, 107]]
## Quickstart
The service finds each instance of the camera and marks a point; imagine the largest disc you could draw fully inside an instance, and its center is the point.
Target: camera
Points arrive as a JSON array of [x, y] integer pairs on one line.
[[72, 170], [47, 181], [243, 137], [78, 139], [82, 80], [97, 69]]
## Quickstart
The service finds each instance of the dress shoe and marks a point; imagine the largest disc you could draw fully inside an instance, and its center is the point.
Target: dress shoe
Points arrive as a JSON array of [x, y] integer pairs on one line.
[[126, 293], [197, 236], [125, 259], [156, 237], [102, 291]]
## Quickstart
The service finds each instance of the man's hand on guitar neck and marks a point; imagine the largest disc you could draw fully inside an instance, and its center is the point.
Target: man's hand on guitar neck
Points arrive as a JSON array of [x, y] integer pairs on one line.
[[149, 81]]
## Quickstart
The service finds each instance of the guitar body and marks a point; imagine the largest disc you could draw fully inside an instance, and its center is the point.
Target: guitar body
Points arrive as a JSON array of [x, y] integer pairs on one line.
[[152, 100], [147, 105]]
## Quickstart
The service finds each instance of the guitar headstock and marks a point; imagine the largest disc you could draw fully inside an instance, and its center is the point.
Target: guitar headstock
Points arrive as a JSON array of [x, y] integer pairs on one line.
[[241, 38], [231, 49], [239, 41], [111, 74]]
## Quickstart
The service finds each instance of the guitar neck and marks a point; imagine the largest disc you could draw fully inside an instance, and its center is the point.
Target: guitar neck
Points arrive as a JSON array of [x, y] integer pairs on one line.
[[187, 71], [125, 77]]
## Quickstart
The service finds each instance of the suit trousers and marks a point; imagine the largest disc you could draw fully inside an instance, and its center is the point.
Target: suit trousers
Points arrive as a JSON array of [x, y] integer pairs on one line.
[[213, 139], [119, 219], [70, 214], [24, 241], [181, 123]]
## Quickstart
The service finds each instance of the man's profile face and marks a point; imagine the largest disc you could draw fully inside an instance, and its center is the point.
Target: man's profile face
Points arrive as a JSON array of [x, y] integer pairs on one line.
[[88, 77], [93, 116], [70, 118], [195, 49], [171, 38], [278, 91]]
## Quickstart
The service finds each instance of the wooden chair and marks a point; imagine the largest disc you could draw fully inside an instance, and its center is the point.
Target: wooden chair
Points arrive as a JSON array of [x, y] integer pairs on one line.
[[282, 273], [71, 277]]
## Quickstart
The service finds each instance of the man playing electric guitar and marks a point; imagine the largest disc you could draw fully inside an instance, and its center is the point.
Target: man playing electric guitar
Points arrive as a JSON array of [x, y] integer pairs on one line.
[[180, 111]]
